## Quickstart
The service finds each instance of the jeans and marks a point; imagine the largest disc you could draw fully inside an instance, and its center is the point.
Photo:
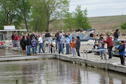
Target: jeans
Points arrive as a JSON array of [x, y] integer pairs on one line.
[[28, 49], [13, 43], [57, 43], [33, 50], [102, 53], [78, 51], [41, 48], [122, 58], [36, 49], [60, 48], [110, 52], [67, 49]]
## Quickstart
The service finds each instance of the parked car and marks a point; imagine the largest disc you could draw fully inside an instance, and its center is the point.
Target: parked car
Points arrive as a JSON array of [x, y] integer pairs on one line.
[[2, 44], [115, 50]]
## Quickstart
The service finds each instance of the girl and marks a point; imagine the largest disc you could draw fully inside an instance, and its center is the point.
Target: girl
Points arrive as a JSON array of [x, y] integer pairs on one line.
[[73, 46]]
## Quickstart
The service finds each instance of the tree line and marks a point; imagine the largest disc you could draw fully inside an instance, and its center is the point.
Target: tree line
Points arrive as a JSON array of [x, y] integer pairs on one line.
[[36, 15]]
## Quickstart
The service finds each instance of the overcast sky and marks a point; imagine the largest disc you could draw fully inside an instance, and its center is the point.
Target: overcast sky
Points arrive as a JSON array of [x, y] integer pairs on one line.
[[101, 7]]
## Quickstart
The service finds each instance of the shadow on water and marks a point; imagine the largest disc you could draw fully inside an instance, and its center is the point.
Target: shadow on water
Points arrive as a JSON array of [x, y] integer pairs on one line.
[[55, 72]]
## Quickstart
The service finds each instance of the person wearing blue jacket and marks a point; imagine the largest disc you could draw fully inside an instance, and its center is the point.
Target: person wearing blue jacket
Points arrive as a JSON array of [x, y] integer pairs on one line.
[[121, 49]]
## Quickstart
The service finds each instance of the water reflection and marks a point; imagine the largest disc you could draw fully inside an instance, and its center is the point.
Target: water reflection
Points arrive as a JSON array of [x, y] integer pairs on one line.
[[26, 71], [123, 82], [54, 72]]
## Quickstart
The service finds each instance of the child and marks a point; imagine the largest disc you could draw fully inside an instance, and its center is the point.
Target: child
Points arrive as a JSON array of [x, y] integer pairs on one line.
[[102, 48], [73, 46], [34, 45]]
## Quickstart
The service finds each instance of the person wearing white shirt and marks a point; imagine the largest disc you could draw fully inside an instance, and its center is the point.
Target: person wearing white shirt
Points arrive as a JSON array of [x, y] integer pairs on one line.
[[41, 44]]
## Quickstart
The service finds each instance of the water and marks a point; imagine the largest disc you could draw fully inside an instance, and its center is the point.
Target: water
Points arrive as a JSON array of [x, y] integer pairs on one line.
[[54, 72]]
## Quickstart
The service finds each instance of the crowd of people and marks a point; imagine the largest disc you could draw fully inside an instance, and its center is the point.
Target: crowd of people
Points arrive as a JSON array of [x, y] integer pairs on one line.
[[36, 43], [110, 41], [62, 43]]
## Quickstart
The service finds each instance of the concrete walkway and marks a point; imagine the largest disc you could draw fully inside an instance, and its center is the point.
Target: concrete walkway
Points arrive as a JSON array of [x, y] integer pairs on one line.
[[86, 60]]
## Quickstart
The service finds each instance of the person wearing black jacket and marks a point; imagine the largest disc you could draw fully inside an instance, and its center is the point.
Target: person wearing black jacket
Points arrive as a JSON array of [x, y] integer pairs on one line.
[[116, 34], [78, 45], [28, 45], [23, 44]]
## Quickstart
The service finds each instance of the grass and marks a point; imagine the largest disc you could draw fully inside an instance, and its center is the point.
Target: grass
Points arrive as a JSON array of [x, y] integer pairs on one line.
[[101, 24], [107, 23]]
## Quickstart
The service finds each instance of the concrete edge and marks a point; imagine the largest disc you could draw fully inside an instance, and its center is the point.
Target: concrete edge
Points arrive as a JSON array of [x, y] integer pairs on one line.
[[94, 64], [75, 60]]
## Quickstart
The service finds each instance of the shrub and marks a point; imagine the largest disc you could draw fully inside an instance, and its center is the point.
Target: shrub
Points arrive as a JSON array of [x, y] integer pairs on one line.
[[123, 26]]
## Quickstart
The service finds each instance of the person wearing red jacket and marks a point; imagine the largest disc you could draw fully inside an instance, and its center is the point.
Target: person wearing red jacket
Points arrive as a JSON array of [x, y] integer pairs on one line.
[[110, 44], [16, 39]]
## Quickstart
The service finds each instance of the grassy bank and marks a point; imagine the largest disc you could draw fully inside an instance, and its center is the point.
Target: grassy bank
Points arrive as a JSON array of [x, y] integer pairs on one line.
[[107, 23], [101, 24]]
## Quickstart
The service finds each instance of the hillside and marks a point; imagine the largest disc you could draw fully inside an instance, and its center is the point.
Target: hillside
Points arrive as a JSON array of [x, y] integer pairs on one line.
[[101, 24], [107, 23]]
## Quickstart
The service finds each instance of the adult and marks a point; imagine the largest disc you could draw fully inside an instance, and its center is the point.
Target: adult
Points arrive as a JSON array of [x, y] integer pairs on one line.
[[48, 40], [47, 34], [60, 44], [116, 34], [57, 37], [13, 39], [28, 45], [67, 41], [23, 44], [121, 49], [41, 44], [109, 42], [16, 39], [78, 45]]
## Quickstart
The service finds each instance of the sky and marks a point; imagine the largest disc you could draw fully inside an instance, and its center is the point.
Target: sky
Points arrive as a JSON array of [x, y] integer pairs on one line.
[[100, 7]]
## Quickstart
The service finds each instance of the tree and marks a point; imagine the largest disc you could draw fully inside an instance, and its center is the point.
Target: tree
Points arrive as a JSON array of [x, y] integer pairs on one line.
[[9, 12], [12, 12], [77, 19], [81, 20], [123, 26], [46, 11], [69, 21], [24, 7], [2, 20]]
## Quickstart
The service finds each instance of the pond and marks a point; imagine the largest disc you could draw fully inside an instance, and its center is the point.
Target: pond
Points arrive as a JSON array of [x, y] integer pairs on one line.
[[51, 71]]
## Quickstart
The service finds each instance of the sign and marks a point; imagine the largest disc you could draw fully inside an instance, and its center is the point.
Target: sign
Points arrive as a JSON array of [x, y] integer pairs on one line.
[[9, 27]]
